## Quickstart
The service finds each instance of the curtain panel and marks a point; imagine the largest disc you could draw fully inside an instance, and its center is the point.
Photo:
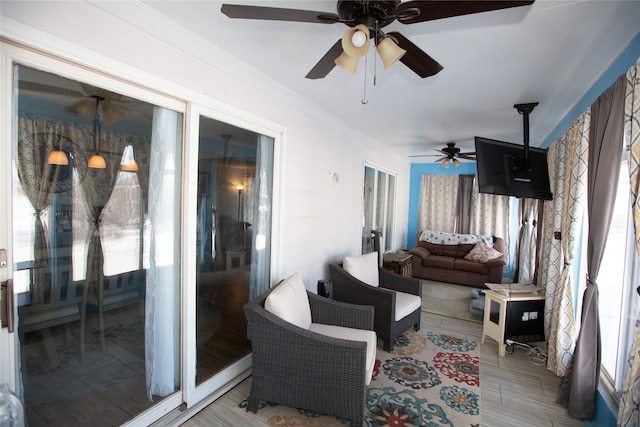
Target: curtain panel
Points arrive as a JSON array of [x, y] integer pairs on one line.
[[605, 153], [490, 216], [162, 310], [438, 199], [525, 263], [567, 158], [629, 408]]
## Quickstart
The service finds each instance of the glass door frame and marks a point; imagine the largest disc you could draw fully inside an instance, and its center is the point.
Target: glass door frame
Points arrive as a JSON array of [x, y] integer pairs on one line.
[[203, 394], [121, 79]]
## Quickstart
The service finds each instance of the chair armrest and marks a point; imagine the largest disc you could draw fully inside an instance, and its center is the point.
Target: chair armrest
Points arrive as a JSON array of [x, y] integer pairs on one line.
[[396, 282], [347, 288], [336, 313]]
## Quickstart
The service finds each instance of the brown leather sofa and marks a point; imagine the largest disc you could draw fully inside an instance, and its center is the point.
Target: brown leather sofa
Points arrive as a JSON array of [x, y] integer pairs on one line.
[[447, 263]]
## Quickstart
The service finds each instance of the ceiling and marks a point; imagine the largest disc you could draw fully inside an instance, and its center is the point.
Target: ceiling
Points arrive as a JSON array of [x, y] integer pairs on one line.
[[550, 52]]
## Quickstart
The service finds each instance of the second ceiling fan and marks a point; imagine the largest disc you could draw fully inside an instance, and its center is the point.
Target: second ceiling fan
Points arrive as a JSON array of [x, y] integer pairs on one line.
[[366, 19], [451, 154]]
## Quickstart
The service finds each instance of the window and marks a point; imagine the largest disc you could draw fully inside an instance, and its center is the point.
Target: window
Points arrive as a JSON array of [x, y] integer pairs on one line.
[[616, 279], [379, 202]]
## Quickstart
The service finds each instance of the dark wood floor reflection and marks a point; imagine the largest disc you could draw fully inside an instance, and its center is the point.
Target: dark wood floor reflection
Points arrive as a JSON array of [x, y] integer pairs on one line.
[[107, 389], [221, 325]]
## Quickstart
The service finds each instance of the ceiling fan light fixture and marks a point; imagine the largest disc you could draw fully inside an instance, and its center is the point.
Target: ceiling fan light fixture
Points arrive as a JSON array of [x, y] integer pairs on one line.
[[389, 52], [57, 157], [456, 162], [346, 62], [445, 163], [355, 41]]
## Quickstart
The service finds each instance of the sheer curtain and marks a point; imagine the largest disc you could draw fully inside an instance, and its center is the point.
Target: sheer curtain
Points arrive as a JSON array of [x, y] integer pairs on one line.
[[262, 185], [526, 255], [162, 306]]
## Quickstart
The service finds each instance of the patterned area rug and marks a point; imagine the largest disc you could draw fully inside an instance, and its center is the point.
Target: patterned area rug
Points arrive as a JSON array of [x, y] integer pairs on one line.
[[427, 380]]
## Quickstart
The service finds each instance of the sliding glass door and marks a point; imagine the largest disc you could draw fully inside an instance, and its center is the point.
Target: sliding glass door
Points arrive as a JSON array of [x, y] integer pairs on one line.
[[235, 168], [131, 252], [96, 250]]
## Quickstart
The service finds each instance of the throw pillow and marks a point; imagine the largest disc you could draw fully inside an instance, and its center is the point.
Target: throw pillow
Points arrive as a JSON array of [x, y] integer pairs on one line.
[[363, 267], [482, 252], [289, 301]]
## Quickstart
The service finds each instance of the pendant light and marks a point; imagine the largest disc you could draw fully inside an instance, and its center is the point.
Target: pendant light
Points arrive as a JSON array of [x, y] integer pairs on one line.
[[58, 157], [128, 163], [97, 160]]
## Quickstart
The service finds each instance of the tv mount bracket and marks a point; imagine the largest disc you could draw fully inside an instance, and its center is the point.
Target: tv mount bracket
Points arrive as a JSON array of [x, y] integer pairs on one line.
[[522, 167], [525, 110]]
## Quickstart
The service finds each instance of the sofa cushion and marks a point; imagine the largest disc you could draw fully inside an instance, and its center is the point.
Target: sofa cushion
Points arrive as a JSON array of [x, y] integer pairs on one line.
[[406, 304], [351, 334], [289, 301], [363, 267], [436, 261], [462, 264], [482, 252]]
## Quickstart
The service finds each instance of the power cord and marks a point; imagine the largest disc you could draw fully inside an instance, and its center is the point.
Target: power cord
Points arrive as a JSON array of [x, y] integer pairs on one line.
[[537, 356]]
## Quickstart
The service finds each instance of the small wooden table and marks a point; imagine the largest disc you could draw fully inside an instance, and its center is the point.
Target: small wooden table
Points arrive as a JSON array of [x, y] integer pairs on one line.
[[398, 263], [496, 330]]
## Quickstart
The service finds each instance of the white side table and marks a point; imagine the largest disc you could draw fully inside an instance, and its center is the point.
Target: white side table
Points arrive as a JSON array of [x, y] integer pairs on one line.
[[497, 330]]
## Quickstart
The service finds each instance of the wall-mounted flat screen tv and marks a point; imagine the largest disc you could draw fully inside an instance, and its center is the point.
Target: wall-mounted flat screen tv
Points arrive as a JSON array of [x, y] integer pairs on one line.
[[504, 169]]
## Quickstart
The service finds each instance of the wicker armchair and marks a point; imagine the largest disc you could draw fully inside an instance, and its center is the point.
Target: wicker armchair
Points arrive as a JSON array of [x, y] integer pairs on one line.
[[296, 367], [347, 288]]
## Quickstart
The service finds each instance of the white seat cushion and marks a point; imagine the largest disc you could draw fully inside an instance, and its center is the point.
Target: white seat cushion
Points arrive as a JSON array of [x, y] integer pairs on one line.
[[406, 304], [363, 267], [352, 334], [289, 301]]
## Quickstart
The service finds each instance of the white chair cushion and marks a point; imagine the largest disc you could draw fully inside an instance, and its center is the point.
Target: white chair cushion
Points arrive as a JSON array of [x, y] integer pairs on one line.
[[289, 301], [363, 267], [352, 334], [406, 304]]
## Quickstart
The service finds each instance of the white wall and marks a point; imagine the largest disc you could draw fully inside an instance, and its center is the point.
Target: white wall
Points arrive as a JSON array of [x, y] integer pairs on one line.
[[321, 220]]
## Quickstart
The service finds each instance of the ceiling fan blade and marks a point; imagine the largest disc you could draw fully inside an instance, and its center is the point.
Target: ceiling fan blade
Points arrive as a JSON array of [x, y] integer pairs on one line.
[[407, 12], [467, 156], [278, 14], [415, 58], [326, 63]]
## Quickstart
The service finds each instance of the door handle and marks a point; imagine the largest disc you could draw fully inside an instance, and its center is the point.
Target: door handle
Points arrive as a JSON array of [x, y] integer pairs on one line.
[[7, 307]]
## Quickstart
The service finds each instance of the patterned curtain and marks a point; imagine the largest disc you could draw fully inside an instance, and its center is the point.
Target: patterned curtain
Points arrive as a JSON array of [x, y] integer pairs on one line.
[[629, 408], [490, 216], [438, 199], [40, 181], [567, 158]]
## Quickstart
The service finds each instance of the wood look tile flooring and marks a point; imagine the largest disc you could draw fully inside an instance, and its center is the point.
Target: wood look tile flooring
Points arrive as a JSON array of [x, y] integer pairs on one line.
[[514, 391]]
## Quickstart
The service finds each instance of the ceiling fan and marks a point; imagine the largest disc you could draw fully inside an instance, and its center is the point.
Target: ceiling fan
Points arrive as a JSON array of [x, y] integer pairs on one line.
[[450, 154], [366, 19]]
